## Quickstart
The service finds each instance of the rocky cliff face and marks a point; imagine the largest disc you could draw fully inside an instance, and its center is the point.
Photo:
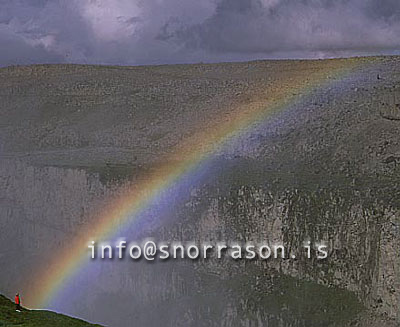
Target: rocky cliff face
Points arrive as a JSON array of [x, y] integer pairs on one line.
[[325, 170], [361, 272]]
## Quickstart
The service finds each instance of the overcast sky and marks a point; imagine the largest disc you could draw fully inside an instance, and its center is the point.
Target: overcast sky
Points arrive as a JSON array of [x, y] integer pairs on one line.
[[178, 31]]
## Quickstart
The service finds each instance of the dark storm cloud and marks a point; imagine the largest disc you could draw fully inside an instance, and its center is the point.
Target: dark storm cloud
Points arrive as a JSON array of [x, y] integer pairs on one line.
[[311, 27], [165, 31]]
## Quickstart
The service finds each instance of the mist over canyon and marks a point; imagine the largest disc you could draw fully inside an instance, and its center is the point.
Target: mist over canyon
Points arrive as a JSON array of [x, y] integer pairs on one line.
[[324, 166]]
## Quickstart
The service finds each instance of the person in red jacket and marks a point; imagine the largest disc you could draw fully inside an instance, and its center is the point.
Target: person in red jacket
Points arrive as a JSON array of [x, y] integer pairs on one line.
[[17, 302]]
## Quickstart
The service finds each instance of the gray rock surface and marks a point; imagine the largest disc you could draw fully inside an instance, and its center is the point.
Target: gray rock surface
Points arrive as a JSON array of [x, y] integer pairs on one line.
[[327, 168]]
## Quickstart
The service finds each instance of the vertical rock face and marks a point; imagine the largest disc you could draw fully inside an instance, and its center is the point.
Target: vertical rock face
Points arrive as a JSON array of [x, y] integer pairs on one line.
[[324, 171], [361, 270]]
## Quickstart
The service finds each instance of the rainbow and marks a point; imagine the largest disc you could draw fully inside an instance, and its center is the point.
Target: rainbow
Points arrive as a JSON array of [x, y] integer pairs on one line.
[[187, 157]]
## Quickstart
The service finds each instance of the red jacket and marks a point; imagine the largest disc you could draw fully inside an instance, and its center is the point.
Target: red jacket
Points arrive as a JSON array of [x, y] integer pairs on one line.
[[17, 301]]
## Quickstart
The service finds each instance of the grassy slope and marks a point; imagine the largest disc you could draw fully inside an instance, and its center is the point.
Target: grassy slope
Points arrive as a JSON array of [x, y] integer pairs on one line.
[[35, 318]]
